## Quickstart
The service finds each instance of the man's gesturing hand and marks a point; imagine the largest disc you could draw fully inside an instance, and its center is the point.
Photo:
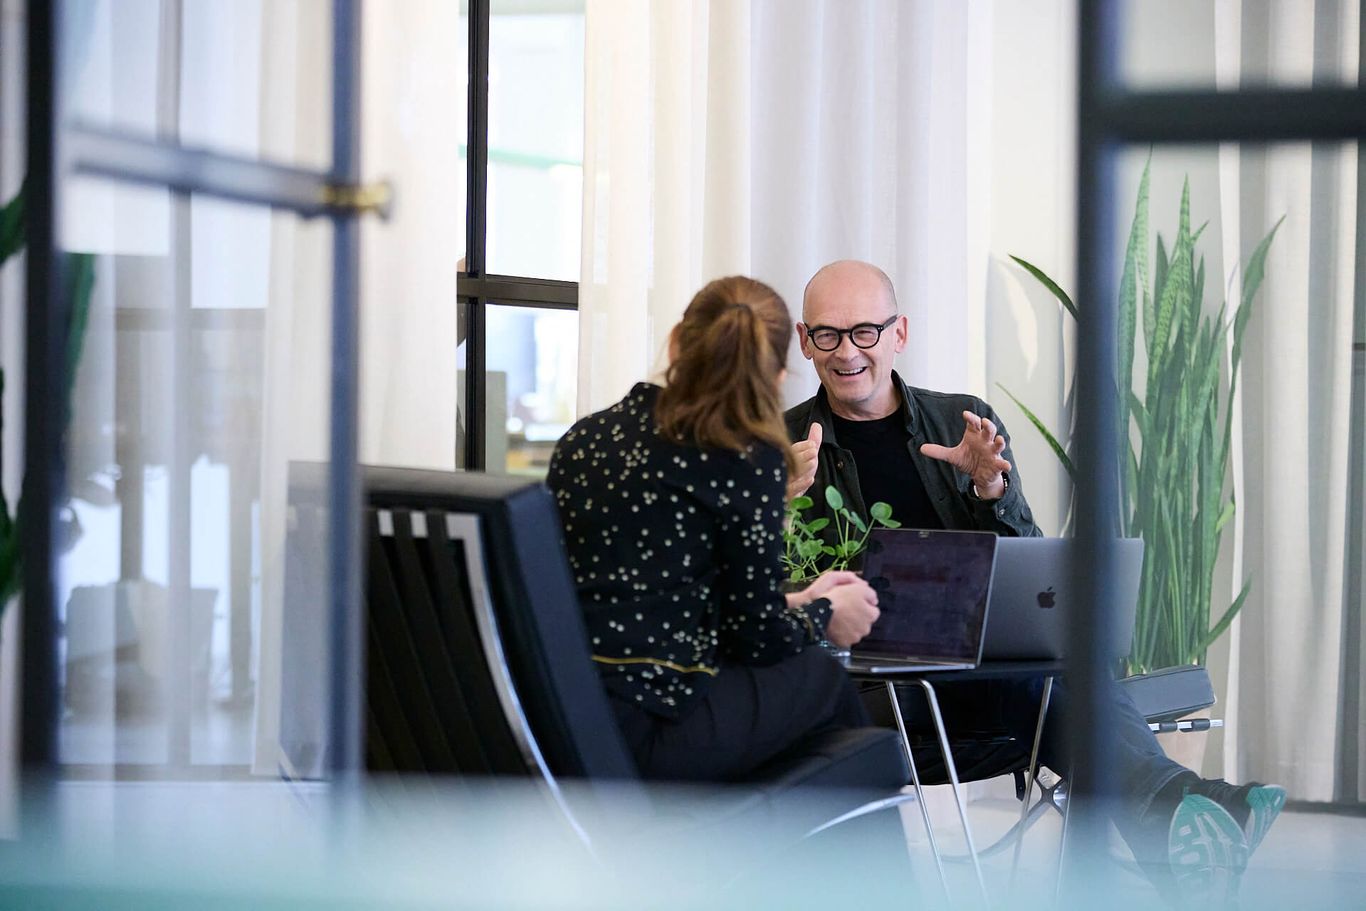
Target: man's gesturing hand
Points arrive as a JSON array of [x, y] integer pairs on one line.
[[805, 454], [977, 455]]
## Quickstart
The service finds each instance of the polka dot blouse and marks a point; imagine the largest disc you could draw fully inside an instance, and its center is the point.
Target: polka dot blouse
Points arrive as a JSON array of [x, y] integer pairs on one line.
[[675, 552]]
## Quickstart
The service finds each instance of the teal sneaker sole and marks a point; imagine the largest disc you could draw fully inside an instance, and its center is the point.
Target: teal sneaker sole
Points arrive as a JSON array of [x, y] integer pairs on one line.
[[1207, 851]]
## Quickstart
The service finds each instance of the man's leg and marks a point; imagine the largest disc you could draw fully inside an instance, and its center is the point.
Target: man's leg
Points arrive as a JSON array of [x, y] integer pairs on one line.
[[1193, 835], [973, 710], [986, 746]]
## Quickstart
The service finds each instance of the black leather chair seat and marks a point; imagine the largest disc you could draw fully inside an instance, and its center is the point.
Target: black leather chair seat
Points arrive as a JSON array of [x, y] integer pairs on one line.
[[847, 760]]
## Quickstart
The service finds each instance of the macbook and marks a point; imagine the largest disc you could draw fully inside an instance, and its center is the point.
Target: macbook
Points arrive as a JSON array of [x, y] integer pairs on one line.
[[933, 589], [1031, 598]]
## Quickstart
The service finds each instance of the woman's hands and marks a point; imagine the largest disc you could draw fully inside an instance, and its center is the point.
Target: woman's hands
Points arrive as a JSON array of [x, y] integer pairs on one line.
[[853, 605]]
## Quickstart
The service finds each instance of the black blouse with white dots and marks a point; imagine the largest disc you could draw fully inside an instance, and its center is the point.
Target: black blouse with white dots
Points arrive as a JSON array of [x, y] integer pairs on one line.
[[676, 554]]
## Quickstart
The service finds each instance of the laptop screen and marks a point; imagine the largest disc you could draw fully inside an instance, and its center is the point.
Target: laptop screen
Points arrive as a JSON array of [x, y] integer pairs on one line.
[[932, 591]]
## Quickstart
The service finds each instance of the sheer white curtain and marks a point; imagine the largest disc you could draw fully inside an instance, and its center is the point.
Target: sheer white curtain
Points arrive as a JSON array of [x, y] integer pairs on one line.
[[1290, 457], [772, 137], [666, 178], [414, 65]]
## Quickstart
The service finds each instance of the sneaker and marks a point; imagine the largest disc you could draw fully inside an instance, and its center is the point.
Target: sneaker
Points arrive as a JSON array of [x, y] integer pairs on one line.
[[1253, 806], [1265, 801], [1207, 852]]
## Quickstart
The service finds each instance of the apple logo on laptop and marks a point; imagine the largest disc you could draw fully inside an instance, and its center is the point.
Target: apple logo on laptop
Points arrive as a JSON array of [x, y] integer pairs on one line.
[[1047, 598]]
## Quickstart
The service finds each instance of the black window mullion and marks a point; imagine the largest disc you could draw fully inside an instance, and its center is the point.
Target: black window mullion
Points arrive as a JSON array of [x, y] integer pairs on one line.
[[476, 233], [44, 459], [1109, 117]]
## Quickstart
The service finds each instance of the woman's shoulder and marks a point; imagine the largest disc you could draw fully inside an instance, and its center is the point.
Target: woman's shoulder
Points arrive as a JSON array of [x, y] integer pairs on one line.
[[632, 410]]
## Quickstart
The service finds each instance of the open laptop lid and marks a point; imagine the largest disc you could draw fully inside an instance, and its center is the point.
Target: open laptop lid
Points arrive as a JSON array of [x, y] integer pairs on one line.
[[933, 588]]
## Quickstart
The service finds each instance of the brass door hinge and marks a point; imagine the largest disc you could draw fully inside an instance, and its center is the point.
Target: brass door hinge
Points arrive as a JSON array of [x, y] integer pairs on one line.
[[361, 199]]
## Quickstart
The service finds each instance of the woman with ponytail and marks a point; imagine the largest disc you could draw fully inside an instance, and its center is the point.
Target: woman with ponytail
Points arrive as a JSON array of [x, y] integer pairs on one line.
[[672, 503]]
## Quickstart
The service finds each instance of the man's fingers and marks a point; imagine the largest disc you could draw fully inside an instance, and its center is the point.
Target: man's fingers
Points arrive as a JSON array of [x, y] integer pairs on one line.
[[813, 434], [935, 451]]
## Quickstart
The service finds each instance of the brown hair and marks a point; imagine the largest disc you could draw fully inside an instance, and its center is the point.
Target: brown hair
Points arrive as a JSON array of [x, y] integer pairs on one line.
[[722, 387]]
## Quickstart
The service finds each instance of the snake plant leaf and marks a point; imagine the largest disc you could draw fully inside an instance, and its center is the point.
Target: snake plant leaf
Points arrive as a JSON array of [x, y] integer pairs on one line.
[[1048, 436], [1133, 278], [1253, 274], [1218, 629], [1051, 285], [1176, 294], [1159, 284]]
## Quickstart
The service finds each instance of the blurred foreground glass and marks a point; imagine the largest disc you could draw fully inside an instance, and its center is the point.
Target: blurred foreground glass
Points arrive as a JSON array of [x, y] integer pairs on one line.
[[202, 376], [1174, 44], [535, 137], [532, 385], [1242, 338], [241, 77]]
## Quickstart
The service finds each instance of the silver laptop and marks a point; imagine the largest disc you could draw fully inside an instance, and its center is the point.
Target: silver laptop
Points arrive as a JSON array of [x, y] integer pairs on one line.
[[933, 588], [1031, 599]]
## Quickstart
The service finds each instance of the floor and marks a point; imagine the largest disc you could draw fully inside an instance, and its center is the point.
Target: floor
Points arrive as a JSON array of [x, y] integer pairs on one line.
[[1308, 860], [269, 844]]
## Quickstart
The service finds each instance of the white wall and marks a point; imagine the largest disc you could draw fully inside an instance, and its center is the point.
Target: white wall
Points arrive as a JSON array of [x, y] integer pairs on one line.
[[1032, 215]]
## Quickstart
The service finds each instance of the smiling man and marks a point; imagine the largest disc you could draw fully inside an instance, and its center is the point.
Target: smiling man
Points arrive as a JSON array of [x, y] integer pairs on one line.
[[851, 331], [944, 461]]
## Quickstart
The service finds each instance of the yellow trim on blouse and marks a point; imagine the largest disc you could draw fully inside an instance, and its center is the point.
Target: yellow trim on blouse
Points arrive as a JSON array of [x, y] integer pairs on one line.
[[682, 669]]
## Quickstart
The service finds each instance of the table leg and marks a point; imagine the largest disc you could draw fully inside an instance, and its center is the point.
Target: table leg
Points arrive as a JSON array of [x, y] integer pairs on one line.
[[1033, 777], [953, 780], [919, 791]]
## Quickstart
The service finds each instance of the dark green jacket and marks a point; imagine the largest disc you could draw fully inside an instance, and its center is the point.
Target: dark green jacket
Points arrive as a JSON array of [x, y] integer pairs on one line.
[[931, 417]]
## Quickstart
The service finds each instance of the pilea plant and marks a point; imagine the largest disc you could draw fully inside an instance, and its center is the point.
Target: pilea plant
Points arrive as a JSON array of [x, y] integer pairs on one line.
[[808, 553]]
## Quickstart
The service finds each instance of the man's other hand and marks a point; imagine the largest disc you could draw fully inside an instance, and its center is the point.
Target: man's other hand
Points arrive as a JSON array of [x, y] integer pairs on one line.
[[853, 610], [805, 454], [977, 455]]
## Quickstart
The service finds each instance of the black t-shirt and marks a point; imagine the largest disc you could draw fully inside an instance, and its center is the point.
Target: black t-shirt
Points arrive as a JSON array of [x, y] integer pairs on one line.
[[886, 470]]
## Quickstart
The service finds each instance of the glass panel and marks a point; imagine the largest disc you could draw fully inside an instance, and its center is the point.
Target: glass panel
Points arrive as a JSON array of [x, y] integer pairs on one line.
[[245, 77], [1171, 44], [532, 383], [535, 137], [1261, 279], [200, 396]]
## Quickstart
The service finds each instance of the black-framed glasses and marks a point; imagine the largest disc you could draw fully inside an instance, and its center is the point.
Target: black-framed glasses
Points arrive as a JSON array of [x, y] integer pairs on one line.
[[864, 335]]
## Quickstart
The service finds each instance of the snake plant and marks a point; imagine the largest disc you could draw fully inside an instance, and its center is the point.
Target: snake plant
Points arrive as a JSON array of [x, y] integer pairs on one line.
[[1175, 427]]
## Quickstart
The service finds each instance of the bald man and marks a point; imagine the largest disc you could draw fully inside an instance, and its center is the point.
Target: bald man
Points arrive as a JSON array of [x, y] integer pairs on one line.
[[944, 461]]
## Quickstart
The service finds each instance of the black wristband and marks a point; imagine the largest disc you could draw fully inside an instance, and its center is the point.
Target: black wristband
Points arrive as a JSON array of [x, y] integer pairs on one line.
[[1005, 479]]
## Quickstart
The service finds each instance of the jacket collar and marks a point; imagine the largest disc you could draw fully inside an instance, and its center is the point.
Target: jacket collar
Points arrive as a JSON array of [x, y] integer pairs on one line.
[[820, 409]]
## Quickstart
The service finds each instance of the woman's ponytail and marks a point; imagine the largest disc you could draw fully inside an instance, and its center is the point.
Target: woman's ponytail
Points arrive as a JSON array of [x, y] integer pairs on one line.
[[722, 389]]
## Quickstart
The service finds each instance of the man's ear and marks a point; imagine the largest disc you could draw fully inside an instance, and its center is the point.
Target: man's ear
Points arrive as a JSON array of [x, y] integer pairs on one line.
[[805, 342], [900, 332]]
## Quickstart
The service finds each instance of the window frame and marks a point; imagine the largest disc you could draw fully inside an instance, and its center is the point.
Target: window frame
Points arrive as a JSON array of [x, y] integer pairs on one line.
[[476, 289]]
